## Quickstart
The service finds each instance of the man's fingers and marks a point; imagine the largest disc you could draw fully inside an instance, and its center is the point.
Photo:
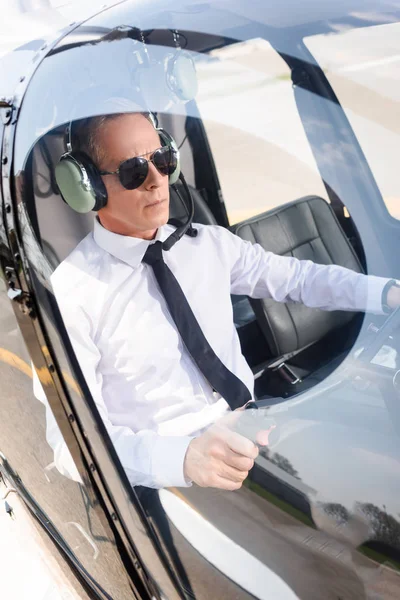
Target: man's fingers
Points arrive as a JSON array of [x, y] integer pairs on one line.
[[227, 484], [255, 425], [232, 474], [229, 481], [237, 461], [234, 440], [241, 445], [219, 458]]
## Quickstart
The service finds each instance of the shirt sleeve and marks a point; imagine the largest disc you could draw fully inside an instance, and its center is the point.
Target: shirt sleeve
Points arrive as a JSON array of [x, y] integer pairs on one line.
[[149, 459], [261, 274], [63, 460]]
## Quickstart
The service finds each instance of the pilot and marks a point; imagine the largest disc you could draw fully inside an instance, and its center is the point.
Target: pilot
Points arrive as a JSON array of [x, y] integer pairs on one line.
[[152, 328]]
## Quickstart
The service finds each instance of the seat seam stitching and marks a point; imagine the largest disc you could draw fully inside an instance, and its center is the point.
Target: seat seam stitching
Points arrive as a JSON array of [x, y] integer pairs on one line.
[[277, 210], [287, 309], [320, 235], [277, 345]]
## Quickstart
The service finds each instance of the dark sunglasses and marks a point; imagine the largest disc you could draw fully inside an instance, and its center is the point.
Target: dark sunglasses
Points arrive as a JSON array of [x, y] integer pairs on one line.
[[133, 172]]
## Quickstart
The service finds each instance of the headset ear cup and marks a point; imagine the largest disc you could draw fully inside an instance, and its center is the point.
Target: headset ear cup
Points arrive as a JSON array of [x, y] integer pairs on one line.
[[80, 183], [168, 140], [181, 76], [98, 185], [173, 178]]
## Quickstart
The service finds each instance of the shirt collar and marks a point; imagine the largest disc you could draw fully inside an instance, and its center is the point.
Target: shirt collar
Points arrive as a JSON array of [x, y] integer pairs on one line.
[[124, 247]]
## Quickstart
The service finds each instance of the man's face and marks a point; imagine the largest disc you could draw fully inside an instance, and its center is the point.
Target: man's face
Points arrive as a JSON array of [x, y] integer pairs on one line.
[[138, 212]]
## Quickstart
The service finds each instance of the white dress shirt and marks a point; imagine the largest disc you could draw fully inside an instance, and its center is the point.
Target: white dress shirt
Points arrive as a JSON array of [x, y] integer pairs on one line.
[[148, 390]]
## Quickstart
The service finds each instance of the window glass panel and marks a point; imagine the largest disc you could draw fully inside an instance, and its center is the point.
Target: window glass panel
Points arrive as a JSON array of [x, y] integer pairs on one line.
[[308, 497], [363, 67], [257, 139]]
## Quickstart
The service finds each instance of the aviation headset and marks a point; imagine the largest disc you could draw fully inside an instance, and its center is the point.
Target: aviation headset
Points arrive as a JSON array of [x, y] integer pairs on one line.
[[83, 189], [79, 180]]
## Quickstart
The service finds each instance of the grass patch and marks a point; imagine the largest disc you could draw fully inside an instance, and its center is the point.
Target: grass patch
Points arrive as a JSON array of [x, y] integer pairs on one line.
[[297, 514], [285, 506], [380, 558]]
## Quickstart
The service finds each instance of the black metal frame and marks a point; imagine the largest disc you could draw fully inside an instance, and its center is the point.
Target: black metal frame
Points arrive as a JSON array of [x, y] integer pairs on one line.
[[7, 474]]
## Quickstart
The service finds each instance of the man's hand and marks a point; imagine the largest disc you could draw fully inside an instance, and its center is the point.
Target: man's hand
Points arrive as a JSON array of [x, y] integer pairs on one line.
[[393, 297], [219, 458]]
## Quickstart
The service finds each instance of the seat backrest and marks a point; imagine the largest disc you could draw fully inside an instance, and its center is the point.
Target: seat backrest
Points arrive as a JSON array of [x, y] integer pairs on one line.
[[309, 230], [178, 210]]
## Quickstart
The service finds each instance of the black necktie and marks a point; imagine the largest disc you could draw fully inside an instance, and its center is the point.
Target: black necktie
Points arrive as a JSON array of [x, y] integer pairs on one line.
[[219, 377]]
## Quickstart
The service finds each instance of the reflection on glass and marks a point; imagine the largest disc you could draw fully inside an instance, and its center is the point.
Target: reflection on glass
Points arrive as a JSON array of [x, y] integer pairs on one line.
[[27, 433], [323, 440], [261, 152], [362, 65]]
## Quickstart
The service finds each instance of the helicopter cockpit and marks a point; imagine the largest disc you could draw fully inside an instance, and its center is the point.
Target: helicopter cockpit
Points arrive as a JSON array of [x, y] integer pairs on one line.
[[278, 147]]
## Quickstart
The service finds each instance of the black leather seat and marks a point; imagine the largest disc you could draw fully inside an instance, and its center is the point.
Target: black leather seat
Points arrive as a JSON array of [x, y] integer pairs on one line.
[[295, 334], [179, 210]]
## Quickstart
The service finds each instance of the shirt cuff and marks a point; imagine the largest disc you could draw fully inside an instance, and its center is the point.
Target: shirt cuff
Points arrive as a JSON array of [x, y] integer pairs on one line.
[[375, 287], [168, 458]]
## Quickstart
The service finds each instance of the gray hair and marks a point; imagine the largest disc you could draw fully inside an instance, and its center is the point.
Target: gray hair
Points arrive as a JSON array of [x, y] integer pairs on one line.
[[85, 135]]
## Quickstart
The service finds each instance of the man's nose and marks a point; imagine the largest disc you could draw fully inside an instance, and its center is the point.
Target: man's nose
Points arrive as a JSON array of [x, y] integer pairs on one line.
[[154, 178]]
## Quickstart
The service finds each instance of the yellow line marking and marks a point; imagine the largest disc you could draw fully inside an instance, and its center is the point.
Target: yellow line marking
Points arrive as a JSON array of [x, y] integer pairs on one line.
[[183, 498], [71, 382], [45, 351], [44, 376], [15, 361]]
